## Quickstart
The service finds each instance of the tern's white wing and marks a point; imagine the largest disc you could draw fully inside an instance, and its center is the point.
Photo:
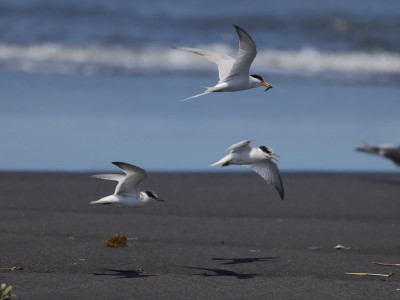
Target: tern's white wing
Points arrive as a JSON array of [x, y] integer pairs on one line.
[[134, 176], [240, 147], [390, 151], [114, 177], [368, 148], [224, 62], [268, 170], [246, 54]]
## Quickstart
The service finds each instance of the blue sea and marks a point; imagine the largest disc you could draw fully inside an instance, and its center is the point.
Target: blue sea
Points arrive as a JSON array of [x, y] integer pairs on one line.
[[84, 83]]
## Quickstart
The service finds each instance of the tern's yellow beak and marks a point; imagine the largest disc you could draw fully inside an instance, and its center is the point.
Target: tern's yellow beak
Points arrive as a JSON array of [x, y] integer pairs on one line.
[[267, 85]]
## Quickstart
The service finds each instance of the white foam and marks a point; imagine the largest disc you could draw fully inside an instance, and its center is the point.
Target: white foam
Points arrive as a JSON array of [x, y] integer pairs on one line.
[[312, 60], [56, 58]]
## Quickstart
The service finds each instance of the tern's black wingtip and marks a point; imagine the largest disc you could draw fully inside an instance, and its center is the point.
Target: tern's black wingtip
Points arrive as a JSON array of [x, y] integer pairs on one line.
[[281, 193], [120, 164]]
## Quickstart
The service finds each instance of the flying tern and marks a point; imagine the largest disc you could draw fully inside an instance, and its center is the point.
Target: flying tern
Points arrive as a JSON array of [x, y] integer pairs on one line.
[[127, 192], [388, 151], [259, 159], [233, 72]]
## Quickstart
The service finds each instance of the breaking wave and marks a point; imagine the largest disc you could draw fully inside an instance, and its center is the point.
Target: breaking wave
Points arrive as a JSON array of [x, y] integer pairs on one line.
[[92, 60]]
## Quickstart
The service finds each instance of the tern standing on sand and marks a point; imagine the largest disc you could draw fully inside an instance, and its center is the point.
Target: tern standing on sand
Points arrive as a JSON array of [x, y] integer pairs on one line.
[[260, 159], [127, 192], [233, 73]]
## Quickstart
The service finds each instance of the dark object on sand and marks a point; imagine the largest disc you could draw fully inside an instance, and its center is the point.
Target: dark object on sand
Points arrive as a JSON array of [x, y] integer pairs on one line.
[[116, 241]]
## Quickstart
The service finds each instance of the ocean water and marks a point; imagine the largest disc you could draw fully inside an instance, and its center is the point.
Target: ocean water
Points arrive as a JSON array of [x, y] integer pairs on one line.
[[84, 83]]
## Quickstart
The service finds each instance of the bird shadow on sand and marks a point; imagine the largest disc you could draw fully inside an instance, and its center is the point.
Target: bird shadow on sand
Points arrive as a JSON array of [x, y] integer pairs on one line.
[[121, 274], [247, 260], [214, 272]]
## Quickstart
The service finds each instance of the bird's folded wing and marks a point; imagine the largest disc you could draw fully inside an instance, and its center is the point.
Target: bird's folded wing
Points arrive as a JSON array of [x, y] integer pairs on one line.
[[241, 146], [246, 54], [224, 62], [268, 170]]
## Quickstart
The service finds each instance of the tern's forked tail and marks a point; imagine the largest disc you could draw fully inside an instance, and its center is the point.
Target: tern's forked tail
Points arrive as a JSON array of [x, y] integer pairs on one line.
[[106, 200], [198, 95]]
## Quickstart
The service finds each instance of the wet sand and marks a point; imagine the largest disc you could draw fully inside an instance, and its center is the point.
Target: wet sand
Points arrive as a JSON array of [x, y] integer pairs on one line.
[[219, 235]]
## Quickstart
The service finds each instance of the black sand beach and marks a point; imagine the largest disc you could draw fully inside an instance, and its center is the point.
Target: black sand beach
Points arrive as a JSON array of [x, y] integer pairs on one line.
[[219, 235]]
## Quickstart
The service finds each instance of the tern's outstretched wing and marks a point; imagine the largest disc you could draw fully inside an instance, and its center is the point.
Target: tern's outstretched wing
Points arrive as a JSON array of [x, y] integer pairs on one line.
[[224, 62], [114, 177], [246, 54], [393, 153], [368, 148], [134, 176], [386, 150], [241, 146], [268, 170]]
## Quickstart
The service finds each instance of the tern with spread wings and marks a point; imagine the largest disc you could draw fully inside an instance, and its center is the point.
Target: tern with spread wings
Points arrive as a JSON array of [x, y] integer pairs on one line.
[[259, 159], [127, 192], [233, 72]]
